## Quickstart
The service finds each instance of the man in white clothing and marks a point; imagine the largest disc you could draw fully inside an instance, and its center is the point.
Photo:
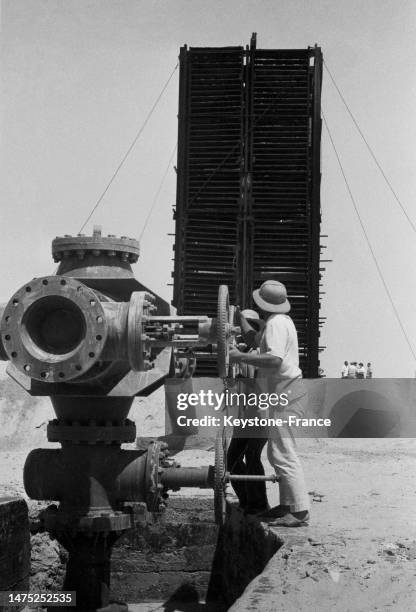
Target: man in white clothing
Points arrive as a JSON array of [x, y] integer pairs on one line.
[[352, 370], [361, 370], [277, 366]]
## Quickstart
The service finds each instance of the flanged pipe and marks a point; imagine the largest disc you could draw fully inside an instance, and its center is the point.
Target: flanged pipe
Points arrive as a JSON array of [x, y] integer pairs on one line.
[[54, 329]]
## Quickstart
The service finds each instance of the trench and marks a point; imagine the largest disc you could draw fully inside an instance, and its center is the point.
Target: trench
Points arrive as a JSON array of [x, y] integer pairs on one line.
[[184, 561], [179, 561]]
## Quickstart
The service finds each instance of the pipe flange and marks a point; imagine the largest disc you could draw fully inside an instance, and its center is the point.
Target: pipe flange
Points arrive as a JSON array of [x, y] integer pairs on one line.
[[135, 330], [54, 329], [98, 522], [140, 305], [153, 485], [91, 433], [128, 249]]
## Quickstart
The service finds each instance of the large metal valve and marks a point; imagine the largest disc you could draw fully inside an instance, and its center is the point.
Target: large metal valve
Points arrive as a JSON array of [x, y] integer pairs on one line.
[[56, 329], [92, 337]]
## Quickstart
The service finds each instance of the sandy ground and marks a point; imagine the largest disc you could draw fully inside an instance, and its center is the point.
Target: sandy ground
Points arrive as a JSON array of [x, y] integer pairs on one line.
[[362, 536]]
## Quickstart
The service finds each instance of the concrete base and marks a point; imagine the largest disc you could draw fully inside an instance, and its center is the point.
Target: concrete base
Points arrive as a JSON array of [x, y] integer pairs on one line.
[[168, 558]]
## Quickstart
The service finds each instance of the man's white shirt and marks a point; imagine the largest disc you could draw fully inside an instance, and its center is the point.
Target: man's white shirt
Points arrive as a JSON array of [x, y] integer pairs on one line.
[[280, 339]]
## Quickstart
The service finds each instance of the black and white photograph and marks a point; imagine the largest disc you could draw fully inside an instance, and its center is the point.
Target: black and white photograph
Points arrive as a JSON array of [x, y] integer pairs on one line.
[[207, 327]]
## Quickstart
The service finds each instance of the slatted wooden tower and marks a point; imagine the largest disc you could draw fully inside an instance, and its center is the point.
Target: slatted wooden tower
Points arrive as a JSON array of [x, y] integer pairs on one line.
[[248, 189]]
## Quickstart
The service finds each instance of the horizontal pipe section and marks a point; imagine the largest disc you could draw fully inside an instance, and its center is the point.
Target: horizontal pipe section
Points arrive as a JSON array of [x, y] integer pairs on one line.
[[177, 477], [87, 478], [251, 478]]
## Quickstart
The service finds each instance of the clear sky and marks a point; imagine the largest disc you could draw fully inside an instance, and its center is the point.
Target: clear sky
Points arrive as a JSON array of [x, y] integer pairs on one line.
[[79, 77]]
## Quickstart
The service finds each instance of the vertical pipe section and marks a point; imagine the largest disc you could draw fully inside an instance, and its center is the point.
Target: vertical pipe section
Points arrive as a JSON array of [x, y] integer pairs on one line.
[[88, 570]]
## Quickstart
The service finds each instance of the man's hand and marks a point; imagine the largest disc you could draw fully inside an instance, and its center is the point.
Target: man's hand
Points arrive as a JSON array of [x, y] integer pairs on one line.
[[235, 355]]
